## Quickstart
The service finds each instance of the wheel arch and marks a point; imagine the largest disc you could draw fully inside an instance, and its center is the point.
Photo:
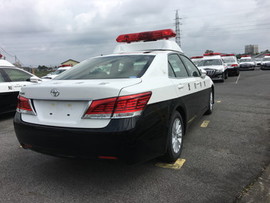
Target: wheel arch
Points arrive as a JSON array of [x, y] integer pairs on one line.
[[183, 113]]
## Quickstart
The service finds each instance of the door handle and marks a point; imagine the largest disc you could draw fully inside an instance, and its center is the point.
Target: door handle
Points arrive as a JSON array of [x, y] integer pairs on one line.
[[180, 86]]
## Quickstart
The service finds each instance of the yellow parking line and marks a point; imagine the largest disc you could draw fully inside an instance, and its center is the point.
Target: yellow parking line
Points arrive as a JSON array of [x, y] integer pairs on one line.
[[176, 165], [205, 124]]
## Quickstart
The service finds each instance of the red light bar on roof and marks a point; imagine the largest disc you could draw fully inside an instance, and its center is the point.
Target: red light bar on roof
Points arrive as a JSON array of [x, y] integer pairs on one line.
[[228, 55], [146, 36], [212, 54], [245, 56], [267, 54], [196, 57]]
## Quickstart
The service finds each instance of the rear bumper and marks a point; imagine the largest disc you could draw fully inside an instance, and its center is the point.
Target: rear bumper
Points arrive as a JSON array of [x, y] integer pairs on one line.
[[132, 140], [233, 71]]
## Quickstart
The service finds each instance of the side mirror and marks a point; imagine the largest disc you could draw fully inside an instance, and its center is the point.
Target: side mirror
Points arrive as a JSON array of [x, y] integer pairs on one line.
[[35, 79], [203, 73]]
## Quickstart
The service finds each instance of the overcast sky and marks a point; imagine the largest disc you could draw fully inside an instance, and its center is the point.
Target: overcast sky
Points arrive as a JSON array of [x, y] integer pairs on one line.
[[48, 32]]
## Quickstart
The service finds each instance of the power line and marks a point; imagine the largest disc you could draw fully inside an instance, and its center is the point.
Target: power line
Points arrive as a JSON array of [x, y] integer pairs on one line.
[[15, 57], [7, 52]]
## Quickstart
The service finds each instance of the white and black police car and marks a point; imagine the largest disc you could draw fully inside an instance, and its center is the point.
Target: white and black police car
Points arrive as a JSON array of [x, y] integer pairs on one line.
[[232, 64], [247, 63], [265, 64], [215, 66], [133, 105], [12, 79]]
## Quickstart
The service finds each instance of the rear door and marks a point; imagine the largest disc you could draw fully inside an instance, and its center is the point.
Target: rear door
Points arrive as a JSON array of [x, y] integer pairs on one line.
[[6, 95], [183, 83], [200, 96]]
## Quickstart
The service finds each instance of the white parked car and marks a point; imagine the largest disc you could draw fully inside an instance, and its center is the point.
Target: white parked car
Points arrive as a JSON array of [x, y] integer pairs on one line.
[[215, 67], [134, 105], [265, 64], [247, 63], [12, 79], [232, 64], [53, 74]]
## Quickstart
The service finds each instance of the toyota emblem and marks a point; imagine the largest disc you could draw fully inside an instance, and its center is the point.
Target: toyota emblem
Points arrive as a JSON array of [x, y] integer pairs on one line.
[[55, 92]]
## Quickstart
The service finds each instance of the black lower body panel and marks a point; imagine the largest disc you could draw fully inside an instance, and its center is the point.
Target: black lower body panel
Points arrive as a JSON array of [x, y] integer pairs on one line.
[[132, 140], [233, 71]]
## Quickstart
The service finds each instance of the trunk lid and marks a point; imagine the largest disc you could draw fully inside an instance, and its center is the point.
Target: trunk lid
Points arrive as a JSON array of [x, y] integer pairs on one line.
[[63, 103]]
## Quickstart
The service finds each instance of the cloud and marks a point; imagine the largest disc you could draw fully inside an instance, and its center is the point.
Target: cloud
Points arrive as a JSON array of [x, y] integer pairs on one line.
[[51, 31]]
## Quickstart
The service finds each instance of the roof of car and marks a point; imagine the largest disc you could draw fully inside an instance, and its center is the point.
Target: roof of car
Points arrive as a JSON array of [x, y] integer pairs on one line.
[[158, 45], [211, 57], [5, 63]]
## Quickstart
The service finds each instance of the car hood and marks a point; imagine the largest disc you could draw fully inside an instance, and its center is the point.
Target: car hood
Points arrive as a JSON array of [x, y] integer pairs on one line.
[[77, 89]]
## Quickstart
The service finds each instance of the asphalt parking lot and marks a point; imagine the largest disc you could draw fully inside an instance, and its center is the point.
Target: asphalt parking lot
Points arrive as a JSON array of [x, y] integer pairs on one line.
[[224, 154]]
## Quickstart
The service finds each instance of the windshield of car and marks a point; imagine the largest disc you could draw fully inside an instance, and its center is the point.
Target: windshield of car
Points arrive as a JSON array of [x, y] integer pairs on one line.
[[210, 62], [245, 60], [109, 67]]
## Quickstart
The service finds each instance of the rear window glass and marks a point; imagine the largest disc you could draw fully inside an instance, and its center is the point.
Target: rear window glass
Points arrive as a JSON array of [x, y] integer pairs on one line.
[[17, 75], [229, 60], [110, 67], [245, 60]]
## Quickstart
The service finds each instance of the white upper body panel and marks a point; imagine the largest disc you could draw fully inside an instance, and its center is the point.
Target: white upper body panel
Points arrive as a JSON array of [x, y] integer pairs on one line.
[[17, 77], [5, 63], [75, 96]]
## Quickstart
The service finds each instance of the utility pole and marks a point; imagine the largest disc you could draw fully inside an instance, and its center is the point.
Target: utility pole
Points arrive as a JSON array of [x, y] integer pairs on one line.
[[177, 28]]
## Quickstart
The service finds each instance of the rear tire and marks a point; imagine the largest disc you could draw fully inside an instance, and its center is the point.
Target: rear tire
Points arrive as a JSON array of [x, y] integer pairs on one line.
[[226, 74], [210, 104], [175, 138], [223, 77]]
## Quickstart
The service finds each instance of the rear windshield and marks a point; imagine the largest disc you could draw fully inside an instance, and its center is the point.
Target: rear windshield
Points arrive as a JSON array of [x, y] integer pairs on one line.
[[210, 62], [229, 60], [110, 67], [245, 60]]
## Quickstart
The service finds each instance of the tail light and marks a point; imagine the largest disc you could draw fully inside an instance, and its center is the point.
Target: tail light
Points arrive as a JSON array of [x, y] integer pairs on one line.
[[24, 106], [234, 65], [118, 107], [108, 157]]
